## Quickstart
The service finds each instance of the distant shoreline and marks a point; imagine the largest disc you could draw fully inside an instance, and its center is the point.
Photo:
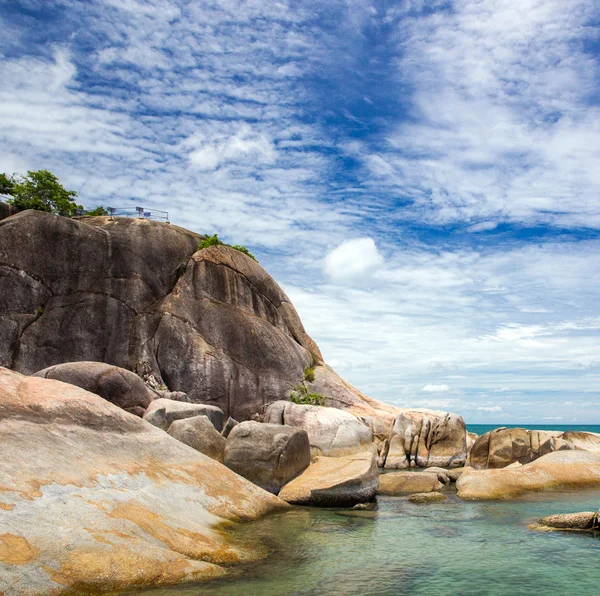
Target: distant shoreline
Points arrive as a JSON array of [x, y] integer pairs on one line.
[[483, 428]]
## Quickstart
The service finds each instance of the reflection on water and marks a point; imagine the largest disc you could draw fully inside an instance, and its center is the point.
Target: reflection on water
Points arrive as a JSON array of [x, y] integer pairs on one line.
[[403, 548]]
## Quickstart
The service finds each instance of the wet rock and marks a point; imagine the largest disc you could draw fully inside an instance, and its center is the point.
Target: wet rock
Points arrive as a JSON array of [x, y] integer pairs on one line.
[[402, 483], [455, 474], [586, 520], [162, 412], [108, 502], [335, 481], [269, 455], [116, 385], [331, 432], [423, 438], [433, 497], [199, 433], [229, 426]]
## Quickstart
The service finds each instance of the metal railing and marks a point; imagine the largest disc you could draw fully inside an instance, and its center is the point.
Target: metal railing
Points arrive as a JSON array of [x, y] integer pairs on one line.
[[139, 212]]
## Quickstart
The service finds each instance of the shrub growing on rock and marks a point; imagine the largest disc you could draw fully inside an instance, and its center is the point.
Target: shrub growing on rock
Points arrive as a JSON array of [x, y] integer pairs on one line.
[[214, 241], [301, 395]]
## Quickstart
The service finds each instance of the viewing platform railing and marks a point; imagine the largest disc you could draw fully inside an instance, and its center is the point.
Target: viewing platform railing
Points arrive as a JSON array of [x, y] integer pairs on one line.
[[139, 212]]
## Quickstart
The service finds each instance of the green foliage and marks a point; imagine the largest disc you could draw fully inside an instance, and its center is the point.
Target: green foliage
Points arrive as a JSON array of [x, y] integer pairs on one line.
[[309, 374], [39, 190], [301, 395], [98, 211], [214, 241]]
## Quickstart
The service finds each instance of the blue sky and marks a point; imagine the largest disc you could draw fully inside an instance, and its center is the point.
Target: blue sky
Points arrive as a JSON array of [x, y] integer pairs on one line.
[[422, 178]]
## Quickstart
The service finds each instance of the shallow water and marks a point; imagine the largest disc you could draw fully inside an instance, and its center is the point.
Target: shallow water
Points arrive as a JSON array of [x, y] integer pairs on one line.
[[448, 548]]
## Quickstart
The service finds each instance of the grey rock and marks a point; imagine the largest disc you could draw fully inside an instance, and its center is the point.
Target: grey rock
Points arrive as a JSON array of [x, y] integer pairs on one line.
[[199, 433], [7, 210], [163, 412], [116, 385], [269, 455], [229, 426]]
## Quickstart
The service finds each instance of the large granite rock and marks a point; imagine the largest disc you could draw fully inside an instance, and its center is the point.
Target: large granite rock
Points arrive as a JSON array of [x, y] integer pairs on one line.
[[117, 385], [95, 499], [557, 470], [424, 438], [163, 412], [585, 521], [7, 210], [335, 481], [269, 455], [199, 433], [405, 483], [331, 432], [502, 447], [137, 294]]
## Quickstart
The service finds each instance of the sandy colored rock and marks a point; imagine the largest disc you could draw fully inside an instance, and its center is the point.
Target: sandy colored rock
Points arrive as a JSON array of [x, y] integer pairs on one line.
[[108, 502], [269, 455], [558, 470], [441, 473], [114, 384], [335, 481], [403, 483], [455, 474], [433, 497], [163, 412], [424, 438], [331, 432], [200, 434], [586, 520]]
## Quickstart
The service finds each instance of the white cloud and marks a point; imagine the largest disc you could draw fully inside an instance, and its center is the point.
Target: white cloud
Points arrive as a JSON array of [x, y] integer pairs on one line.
[[353, 260], [436, 388], [489, 409]]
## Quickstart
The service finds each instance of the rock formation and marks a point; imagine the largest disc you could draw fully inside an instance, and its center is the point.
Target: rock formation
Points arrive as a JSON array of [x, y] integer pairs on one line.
[[95, 499], [585, 521], [200, 434], [331, 432], [405, 483], [424, 438], [269, 455], [163, 412], [558, 470]]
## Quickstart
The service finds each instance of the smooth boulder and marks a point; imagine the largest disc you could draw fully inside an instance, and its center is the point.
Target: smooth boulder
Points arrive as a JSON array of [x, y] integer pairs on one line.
[[335, 481], [402, 483], [199, 433], [163, 412], [114, 384], [269, 455], [95, 499], [424, 438], [331, 432], [584, 521], [423, 498], [571, 469]]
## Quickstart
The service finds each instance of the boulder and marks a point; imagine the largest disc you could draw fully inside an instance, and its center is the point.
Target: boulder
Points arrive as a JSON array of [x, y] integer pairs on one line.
[[229, 426], [116, 385], [335, 481], [404, 483], [584, 521], [199, 433], [331, 432], [107, 502], [163, 412], [138, 294], [6, 210], [423, 438], [558, 470], [427, 498], [471, 438], [455, 474], [441, 473], [269, 455]]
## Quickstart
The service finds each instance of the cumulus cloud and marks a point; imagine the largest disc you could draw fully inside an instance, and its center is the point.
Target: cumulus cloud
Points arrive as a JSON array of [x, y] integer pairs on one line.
[[489, 409], [353, 260], [436, 388]]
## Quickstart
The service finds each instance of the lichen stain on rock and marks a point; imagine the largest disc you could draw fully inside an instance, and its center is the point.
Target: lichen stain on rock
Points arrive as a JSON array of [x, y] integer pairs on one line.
[[15, 550]]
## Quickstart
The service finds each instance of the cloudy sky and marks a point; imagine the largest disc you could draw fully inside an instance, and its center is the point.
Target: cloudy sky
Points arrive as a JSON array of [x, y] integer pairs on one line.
[[421, 176]]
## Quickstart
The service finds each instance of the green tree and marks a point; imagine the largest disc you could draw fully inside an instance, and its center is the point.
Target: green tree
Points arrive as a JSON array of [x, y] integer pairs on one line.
[[97, 211], [39, 190], [214, 241]]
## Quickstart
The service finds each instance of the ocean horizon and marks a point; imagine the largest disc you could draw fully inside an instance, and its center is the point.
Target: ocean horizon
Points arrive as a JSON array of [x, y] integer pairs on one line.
[[481, 429]]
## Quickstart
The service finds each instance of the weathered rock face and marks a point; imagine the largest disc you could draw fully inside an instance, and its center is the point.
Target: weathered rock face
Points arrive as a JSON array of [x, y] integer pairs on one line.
[[502, 447], [117, 385], [558, 470], [108, 502], [7, 210], [423, 438], [200, 434], [585, 521], [335, 481], [331, 432], [269, 455], [136, 293], [403, 483], [163, 412]]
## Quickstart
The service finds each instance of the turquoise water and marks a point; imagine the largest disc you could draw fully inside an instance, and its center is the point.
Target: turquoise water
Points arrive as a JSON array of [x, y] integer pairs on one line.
[[484, 428], [443, 549]]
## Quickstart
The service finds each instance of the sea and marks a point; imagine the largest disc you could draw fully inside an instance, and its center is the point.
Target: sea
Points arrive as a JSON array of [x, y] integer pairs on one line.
[[480, 429]]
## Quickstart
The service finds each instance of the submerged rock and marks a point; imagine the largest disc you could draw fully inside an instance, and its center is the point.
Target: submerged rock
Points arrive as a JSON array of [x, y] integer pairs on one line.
[[331, 432], [403, 483], [199, 433], [163, 412], [584, 521], [269, 455], [114, 384], [432, 497], [108, 502], [423, 438], [557, 470], [335, 481]]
